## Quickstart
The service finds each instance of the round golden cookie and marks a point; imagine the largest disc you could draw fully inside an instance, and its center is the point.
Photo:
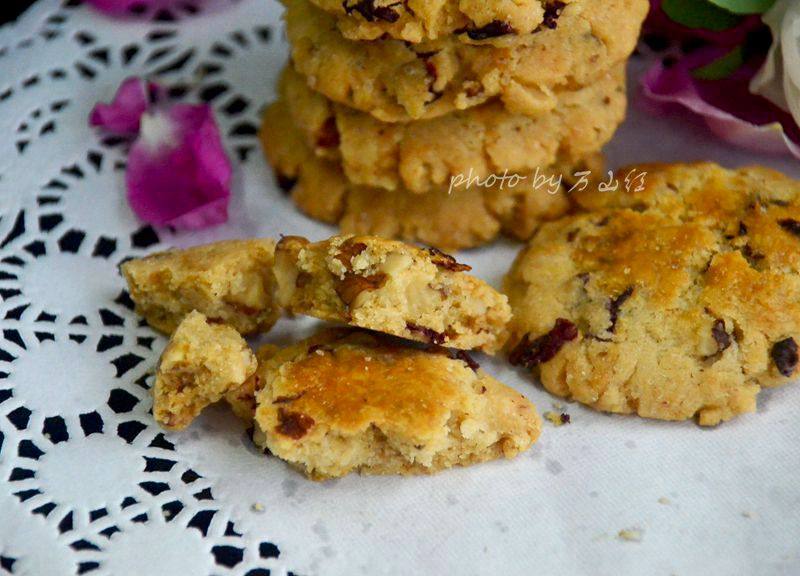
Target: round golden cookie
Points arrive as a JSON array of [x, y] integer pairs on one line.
[[396, 81], [467, 217], [426, 155], [419, 20], [676, 301], [354, 401]]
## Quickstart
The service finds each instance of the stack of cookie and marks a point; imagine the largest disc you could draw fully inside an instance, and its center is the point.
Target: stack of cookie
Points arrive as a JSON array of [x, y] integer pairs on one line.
[[438, 122]]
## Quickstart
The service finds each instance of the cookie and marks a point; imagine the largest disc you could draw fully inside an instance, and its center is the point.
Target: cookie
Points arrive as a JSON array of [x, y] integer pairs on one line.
[[396, 81], [352, 401], [467, 217], [676, 301], [199, 365], [391, 287], [419, 20], [230, 282], [425, 155]]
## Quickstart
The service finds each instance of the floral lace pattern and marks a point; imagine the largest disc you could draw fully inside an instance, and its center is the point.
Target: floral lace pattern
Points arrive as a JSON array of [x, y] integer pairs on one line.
[[90, 485]]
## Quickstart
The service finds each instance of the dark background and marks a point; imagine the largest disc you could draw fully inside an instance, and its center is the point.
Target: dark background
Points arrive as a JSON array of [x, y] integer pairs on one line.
[[11, 9]]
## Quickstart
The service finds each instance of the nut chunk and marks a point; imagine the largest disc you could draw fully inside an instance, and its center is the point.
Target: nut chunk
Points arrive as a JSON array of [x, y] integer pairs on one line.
[[391, 287], [230, 282], [199, 365], [347, 400]]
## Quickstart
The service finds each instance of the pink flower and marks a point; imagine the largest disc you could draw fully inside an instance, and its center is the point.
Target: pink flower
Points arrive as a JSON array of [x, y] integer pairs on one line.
[[727, 106], [178, 172], [714, 79]]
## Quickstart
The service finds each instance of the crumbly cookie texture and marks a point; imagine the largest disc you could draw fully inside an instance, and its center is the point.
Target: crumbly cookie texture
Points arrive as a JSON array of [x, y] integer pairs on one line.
[[391, 287], [242, 398], [425, 155], [396, 81], [467, 217], [353, 401], [199, 365], [420, 20], [676, 301], [230, 282]]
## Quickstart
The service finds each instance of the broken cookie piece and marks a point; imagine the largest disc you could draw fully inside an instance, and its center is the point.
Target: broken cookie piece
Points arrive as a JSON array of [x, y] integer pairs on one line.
[[391, 287], [200, 364], [229, 282], [348, 400]]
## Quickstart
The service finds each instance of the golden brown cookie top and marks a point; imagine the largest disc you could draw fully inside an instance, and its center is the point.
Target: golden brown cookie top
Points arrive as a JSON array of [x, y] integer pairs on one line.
[[343, 381], [676, 299]]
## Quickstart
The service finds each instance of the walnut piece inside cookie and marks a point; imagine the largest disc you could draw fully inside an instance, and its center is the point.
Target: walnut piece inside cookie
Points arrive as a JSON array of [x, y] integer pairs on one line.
[[230, 282], [348, 400], [390, 287], [201, 363]]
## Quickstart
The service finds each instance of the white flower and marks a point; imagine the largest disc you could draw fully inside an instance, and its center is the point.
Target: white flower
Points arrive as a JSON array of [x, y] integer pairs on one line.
[[779, 78]]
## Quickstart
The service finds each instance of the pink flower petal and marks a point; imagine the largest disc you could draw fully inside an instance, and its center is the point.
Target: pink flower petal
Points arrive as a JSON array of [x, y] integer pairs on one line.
[[122, 116], [727, 106], [129, 7], [178, 172]]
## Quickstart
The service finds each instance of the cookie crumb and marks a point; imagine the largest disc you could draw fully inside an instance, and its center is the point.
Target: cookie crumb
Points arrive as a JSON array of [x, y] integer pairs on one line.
[[558, 419], [257, 507], [630, 535], [664, 500]]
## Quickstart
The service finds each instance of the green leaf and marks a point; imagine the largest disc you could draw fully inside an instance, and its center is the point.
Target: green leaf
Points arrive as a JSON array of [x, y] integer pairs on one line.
[[744, 6], [699, 14], [722, 67]]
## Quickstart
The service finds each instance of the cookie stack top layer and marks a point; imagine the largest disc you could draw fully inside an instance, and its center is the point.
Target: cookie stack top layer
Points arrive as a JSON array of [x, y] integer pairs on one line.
[[397, 81], [391, 99]]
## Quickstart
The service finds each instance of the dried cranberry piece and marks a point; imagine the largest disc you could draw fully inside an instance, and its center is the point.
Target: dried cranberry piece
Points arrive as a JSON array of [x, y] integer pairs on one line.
[[615, 305], [328, 136], [370, 12], [552, 13], [493, 29], [721, 336], [285, 183], [430, 335], [785, 357], [295, 425], [530, 353], [791, 225]]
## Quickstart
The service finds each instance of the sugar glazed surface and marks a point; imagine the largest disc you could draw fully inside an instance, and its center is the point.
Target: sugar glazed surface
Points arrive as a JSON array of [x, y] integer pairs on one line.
[[347, 401]]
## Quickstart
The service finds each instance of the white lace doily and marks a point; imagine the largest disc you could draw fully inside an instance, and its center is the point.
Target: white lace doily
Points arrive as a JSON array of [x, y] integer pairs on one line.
[[90, 485]]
